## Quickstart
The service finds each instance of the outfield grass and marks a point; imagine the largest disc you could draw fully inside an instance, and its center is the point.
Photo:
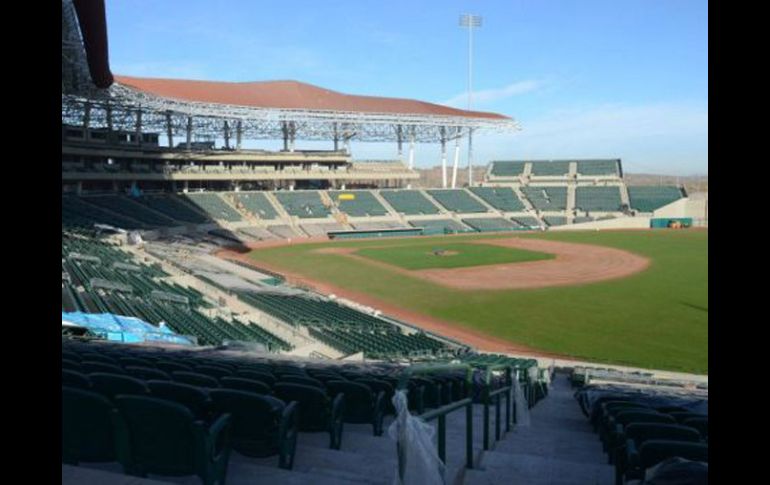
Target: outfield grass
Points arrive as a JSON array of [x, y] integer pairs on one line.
[[415, 255], [655, 319]]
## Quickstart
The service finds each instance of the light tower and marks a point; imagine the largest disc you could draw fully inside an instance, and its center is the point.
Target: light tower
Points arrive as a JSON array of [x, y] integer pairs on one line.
[[470, 22]]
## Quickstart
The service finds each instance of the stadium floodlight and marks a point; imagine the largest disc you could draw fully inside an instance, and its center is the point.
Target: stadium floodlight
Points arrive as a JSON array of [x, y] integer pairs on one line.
[[470, 22]]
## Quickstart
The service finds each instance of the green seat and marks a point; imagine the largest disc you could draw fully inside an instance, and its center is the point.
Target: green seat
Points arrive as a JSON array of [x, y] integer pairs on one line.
[[316, 411], [701, 424], [361, 404], [637, 434], [71, 364], [112, 385], [195, 379], [377, 386], [87, 433], [94, 366], [305, 381], [242, 384], [254, 375], [613, 432], [653, 452], [217, 372], [76, 379], [196, 399], [147, 373], [164, 438], [262, 425], [681, 417], [169, 367]]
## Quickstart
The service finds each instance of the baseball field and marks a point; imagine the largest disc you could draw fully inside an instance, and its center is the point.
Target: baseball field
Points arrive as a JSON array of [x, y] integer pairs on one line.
[[637, 298]]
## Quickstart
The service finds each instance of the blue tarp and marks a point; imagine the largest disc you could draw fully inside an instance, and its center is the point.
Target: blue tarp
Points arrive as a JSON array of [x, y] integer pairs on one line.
[[123, 329]]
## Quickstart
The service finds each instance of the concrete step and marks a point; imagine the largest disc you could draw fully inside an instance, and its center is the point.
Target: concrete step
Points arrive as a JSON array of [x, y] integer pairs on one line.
[[538, 470]]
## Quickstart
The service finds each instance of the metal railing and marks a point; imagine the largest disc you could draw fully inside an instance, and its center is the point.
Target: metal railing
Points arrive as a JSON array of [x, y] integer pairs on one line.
[[488, 397]]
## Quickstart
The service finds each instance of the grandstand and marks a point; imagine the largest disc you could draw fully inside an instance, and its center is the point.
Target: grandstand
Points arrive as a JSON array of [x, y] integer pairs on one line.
[[243, 373], [649, 198], [602, 199]]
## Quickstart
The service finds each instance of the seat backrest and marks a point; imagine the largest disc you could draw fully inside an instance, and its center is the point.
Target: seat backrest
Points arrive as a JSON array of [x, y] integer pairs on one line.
[[216, 372], [256, 419], [642, 416], [87, 432], [196, 399], [161, 434], [195, 379], [359, 399], [431, 398], [74, 356], [305, 381], [71, 364], [377, 386], [314, 405], [253, 375], [73, 378], [682, 416], [134, 361], [113, 384], [242, 384], [169, 366], [653, 452], [701, 424], [95, 357], [147, 373], [641, 432], [90, 366]]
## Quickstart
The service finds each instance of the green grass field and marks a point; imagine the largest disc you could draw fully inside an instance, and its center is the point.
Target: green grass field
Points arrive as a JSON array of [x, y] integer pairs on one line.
[[420, 255], [655, 319]]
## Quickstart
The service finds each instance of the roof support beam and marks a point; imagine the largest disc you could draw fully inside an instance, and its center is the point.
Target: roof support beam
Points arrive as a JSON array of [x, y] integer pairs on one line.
[[169, 130], [443, 157]]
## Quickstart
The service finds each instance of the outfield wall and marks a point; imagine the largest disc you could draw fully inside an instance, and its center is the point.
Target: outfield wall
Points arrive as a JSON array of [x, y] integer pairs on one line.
[[608, 224]]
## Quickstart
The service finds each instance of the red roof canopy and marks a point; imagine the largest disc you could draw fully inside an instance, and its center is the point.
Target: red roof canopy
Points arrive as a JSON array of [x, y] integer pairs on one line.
[[289, 95]]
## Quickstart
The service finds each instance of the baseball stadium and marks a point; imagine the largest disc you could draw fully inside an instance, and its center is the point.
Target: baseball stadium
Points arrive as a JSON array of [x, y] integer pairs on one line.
[[238, 315]]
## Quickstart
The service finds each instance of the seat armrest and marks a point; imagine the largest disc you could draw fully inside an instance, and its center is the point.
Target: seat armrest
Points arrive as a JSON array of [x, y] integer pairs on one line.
[[219, 434], [378, 413], [287, 435], [337, 418]]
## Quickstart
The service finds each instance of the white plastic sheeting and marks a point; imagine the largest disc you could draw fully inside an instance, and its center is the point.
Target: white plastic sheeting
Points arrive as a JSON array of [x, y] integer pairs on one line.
[[520, 401], [422, 465]]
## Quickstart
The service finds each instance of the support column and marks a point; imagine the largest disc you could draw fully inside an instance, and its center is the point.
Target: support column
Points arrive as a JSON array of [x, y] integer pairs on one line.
[[227, 134], [292, 135], [186, 186], [400, 138], [285, 130], [470, 157], [138, 129], [336, 138], [169, 130], [238, 135], [456, 163], [188, 143], [443, 158], [86, 117], [411, 151]]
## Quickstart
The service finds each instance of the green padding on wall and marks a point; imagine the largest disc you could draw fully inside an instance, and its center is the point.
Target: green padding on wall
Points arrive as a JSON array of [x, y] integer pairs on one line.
[[664, 222]]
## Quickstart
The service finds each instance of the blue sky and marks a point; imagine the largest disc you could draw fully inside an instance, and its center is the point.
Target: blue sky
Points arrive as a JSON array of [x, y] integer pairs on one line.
[[585, 78]]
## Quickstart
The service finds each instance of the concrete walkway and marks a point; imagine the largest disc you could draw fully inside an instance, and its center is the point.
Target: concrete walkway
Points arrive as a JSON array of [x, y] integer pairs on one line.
[[558, 448]]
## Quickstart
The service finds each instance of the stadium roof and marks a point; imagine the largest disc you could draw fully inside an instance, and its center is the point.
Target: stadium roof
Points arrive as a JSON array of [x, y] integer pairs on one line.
[[251, 110], [289, 95]]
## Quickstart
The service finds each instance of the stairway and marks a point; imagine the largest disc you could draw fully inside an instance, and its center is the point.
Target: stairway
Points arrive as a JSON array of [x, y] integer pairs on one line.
[[558, 448]]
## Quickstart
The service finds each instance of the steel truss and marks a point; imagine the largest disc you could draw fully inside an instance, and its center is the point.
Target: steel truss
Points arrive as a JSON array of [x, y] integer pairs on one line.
[[127, 109]]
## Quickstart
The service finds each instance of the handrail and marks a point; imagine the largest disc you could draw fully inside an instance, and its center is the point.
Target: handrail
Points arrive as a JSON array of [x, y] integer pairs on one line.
[[488, 394], [441, 412]]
